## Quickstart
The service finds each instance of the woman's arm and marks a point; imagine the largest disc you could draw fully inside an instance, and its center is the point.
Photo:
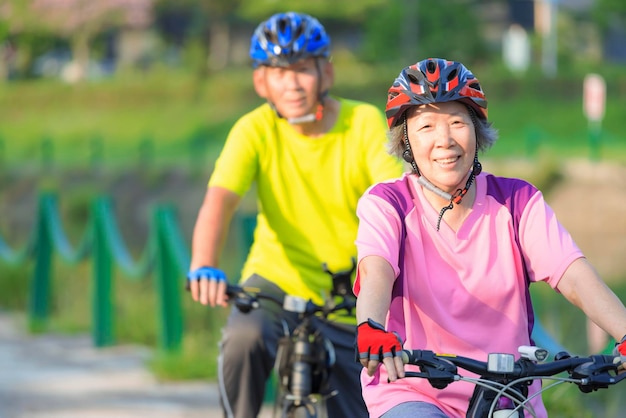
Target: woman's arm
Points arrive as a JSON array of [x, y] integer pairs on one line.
[[376, 282], [376, 279], [584, 288]]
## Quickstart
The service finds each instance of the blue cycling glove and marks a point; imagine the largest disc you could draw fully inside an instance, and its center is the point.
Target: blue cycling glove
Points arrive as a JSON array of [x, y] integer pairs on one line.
[[207, 273]]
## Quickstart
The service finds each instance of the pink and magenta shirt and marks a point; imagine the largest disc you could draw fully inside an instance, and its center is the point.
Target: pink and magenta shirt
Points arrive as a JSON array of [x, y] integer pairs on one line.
[[462, 292]]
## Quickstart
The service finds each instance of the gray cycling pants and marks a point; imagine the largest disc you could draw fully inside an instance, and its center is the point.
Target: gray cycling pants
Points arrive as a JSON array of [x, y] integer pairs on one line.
[[414, 409], [248, 350]]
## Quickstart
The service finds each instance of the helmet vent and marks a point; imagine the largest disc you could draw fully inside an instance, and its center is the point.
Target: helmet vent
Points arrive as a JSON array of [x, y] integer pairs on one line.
[[452, 75], [299, 31], [271, 36], [413, 79], [431, 66], [282, 25], [475, 86]]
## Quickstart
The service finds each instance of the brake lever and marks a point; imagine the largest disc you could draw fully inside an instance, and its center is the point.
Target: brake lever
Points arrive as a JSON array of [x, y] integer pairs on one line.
[[437, 379], [596, 374], [439, 372], [244, 301]]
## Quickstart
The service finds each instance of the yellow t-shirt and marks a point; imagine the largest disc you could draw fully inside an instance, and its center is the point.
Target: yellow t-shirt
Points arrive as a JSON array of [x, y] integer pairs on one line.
[[307, 191]]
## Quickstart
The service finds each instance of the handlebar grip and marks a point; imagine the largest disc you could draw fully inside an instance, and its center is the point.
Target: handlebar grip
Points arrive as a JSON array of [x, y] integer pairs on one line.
[[405, 356]]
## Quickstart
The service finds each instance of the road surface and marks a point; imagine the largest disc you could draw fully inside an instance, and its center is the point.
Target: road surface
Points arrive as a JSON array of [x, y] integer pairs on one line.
[[60, 376]]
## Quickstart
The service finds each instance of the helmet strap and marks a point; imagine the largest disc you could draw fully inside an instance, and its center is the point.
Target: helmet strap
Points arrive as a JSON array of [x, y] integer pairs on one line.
[[407, 155], [310, 117], [455, 198]]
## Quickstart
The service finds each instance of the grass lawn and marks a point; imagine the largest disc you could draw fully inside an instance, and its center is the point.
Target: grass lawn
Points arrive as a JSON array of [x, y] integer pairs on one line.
[[172, 117]]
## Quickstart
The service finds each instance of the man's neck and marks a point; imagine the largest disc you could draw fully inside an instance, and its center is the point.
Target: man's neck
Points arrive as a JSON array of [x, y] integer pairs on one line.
[[320, 127]]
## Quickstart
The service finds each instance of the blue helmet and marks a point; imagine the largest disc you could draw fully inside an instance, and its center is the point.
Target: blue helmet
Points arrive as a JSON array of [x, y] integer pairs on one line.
[[286, 38]]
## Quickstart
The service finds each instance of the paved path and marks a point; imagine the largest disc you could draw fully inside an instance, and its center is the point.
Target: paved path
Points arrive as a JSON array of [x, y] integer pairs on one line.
[[59, 376]]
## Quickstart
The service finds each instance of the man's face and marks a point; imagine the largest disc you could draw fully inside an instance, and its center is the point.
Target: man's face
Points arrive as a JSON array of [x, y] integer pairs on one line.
[[294, 90]]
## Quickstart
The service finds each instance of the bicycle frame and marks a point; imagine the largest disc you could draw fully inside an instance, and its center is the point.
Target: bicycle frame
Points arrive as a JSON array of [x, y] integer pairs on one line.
[[304, 356], [302, 363]]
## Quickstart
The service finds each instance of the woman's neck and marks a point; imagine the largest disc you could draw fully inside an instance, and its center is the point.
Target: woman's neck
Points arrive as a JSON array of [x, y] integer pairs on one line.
[[439, 199]]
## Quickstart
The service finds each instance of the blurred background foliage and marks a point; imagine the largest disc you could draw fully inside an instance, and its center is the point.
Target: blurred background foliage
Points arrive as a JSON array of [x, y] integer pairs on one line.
[[163, 80]]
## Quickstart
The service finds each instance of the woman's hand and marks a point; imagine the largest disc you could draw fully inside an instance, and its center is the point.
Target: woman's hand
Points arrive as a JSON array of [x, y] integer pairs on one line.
[[375, 343]]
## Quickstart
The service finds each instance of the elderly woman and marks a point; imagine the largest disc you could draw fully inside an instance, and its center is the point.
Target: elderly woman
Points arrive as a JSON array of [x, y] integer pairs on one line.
[[446, 253]]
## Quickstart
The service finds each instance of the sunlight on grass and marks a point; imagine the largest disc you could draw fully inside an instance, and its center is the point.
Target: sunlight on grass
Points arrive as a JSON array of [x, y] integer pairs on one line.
[[169, 107]]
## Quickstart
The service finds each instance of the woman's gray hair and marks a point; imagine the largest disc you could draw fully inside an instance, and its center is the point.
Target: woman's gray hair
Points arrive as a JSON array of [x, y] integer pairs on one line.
[[486, 135]]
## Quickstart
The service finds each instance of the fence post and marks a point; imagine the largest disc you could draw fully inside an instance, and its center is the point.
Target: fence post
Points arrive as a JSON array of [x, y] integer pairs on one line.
[[102, 289], [167, 285], [40, 286]]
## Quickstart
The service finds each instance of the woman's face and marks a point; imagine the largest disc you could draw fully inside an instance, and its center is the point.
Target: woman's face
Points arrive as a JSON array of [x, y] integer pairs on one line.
[[443, 141]]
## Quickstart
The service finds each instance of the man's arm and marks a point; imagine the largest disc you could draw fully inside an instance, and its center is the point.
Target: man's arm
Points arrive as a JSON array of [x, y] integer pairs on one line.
[[209, 236]]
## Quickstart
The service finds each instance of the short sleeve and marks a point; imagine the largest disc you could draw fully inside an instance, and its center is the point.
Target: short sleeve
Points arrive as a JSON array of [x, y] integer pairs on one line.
[[379, 232], [237, 165], [548, 247]]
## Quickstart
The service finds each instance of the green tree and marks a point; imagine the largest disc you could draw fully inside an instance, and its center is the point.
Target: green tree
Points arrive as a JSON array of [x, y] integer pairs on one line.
[[408, 30], [607, 13], [77, 20], [351, 11], [211, 22], [208, 30]]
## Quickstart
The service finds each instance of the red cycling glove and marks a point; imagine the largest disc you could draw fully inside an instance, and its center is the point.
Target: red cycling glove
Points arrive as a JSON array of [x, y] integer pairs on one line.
[[620, 348], [374, 343]]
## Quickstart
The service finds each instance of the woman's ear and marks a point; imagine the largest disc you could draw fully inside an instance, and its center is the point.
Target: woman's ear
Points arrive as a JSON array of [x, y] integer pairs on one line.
[[258, 78]]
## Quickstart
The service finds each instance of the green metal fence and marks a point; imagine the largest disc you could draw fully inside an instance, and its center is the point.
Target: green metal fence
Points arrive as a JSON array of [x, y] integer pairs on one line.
[[165, 255]]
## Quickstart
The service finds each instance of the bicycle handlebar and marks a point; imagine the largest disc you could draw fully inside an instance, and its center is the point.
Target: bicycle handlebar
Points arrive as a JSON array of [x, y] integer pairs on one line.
[[247, 298], [588, 373]]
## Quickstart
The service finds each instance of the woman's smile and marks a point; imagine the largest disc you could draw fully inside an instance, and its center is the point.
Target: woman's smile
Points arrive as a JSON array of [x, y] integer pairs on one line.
[[447, 162]]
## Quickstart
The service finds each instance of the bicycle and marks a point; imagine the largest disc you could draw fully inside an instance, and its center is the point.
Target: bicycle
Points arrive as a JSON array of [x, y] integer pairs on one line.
[[502, 389], [304, 358]]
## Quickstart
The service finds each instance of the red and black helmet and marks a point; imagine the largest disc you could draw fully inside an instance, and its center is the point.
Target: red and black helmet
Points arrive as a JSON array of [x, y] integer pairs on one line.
[[434, 80]]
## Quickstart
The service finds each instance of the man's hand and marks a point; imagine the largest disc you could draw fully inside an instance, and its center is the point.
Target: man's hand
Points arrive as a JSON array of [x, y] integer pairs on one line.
[[373, 343], [208, 286]]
